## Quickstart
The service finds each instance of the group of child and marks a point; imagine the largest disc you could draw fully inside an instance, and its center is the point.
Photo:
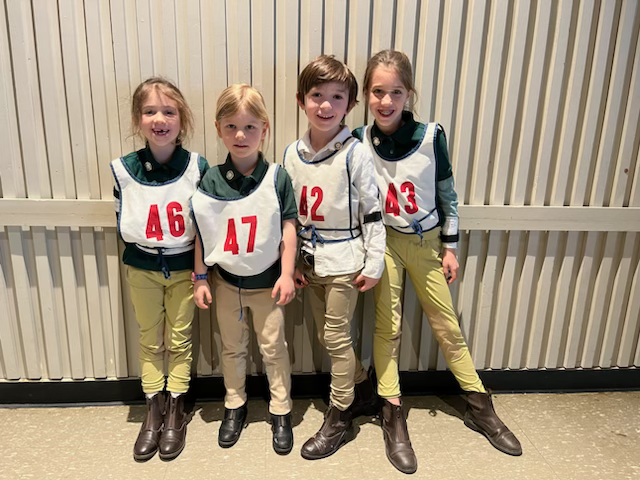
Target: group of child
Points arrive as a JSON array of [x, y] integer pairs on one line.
[[346, 212]]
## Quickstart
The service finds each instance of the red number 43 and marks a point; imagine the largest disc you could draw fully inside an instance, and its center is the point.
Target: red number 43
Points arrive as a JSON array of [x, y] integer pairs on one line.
[[231, 243], [391, 204]]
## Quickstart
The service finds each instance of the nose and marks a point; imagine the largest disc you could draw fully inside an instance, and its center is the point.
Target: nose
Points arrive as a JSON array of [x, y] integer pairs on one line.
[[240, 135], [159, 118], [326, 105], [386, 100]]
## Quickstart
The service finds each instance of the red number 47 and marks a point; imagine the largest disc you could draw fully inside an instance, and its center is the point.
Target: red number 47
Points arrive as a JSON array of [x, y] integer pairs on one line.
[[231, 243]]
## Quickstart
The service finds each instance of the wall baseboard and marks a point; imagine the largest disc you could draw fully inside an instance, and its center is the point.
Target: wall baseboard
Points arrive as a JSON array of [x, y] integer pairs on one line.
[[128, 390]]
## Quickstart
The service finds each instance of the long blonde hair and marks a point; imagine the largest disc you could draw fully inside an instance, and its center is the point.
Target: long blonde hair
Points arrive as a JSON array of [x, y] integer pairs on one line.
[[241, 95], [167, 88]]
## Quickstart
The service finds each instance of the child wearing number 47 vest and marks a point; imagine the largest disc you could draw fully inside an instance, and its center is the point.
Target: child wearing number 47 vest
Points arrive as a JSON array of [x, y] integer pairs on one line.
[[152, 190], [245, 213], [342, 238], [420, 210]]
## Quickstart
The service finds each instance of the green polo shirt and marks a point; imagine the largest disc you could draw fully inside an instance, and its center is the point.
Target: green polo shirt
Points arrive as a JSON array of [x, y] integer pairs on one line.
[[405, 139], [157, 175], [227, 182]]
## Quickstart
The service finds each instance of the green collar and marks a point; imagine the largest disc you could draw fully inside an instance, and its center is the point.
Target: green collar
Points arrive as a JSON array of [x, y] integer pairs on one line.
[[241, 182], [176, 162], [402, 136]]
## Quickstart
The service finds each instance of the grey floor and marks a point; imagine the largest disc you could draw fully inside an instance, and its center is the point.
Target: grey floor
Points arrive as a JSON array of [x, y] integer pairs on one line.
[[569, 436]]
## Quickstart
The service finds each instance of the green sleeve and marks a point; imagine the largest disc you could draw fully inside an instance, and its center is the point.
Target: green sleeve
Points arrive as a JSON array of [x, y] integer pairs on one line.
[[442, 155], [208, 182], [287, 195], [358, 133], [203, 165]]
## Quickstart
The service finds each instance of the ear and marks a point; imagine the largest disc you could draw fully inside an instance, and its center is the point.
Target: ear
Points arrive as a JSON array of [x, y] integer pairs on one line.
[[264, 132], [353, 104], [218, 128], [300, 101]]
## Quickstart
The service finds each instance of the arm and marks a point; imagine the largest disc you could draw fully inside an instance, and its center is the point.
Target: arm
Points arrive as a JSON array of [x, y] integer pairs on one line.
[[448, 203], [201, 291], [373, 231], [288, 250]]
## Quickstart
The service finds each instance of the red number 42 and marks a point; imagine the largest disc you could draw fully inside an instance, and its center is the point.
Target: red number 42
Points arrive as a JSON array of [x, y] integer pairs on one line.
[[391, 204], [231, 243], [318, 194]]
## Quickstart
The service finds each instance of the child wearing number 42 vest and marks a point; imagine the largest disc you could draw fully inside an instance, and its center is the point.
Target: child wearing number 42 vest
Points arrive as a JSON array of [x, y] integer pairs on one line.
[[420, 211], [342, 238], [245, 214], [152, 190]]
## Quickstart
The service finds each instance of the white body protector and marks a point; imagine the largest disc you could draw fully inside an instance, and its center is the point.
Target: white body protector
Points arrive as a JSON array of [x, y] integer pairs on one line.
[[320, 187], [408, 185], [242, 235], [157, 217]]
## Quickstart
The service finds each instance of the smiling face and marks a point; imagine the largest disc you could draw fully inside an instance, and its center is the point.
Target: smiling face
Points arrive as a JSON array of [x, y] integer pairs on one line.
[[160, 121], [387, 96], [325, 106], [242, 134]]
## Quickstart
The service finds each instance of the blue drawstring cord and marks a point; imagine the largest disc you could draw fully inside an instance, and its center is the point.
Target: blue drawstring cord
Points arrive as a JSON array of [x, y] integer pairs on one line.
[[315, 236], [162, 262], [417, 229]]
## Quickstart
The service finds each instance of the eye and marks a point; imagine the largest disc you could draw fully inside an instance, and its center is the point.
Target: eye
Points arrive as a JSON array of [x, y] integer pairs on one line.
[[338, 96], [148, 111], [251, 127], [169, 113], [397, 92], [316, 94], [377, 91], [230, 126]]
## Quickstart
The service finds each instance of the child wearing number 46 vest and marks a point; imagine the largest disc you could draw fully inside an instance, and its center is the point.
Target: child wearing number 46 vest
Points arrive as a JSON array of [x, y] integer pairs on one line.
[[420, 210], [245, 214], [342, 238], [152, 190]]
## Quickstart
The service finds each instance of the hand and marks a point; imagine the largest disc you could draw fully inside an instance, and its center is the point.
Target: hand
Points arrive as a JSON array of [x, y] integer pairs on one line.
[[364, 283], [299, 279], [286, 288], [202, 294], [450, 265]]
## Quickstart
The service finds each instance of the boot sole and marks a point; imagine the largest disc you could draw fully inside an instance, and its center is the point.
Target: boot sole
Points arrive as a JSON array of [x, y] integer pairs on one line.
[[144, 458], [172, 455], [475, 428], [346, 438]]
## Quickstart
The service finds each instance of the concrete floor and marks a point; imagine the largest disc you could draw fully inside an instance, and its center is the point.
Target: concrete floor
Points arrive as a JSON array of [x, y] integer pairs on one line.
[[569, 436]]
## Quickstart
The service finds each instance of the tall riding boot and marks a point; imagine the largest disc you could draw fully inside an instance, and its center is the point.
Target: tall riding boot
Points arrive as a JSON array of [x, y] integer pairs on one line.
[[365, 401], [335, 432], [173, 436], [481, 417], [147, 442], [396, 438]]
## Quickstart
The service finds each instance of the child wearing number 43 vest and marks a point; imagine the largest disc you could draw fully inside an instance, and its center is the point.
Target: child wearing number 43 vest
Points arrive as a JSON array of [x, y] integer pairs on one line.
[[420, 210], [152, 190], [245, 213]]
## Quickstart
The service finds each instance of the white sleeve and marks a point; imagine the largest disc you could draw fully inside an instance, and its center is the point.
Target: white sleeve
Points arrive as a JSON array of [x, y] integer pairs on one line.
[[373, 232]]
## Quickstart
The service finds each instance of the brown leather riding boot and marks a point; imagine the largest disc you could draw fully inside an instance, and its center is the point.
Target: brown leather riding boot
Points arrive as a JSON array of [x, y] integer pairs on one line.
[[481, 417], [396, 438], [365, 401], [174, 434], [147, 442], [334, 433]]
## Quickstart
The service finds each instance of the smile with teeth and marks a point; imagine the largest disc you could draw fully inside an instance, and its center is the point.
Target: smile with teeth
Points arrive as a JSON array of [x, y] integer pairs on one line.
[[160, 132], [386, 113], [325, 117]]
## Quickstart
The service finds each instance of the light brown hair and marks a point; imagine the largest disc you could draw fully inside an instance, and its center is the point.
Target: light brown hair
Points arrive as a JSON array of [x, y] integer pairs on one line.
[[241, 95], [390, 59], [326, 69], [164, 86]]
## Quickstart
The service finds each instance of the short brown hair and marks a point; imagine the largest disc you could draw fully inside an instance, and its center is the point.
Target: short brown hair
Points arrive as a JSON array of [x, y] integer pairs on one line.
[[390, 59], [326, 69], [167, 88]]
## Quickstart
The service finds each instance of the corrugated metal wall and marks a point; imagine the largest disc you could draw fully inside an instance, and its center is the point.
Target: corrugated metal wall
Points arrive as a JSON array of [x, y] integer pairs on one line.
[[540, 100]]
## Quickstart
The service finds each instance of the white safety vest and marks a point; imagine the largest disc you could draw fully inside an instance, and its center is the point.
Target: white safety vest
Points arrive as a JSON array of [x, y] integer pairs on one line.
[[242, 235], [157, 216], [323, 194], [408, 185]]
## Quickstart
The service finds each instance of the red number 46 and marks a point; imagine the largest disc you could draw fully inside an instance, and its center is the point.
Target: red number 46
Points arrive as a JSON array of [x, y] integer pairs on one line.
[[231, 243], [391, 204], [176, 221]]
